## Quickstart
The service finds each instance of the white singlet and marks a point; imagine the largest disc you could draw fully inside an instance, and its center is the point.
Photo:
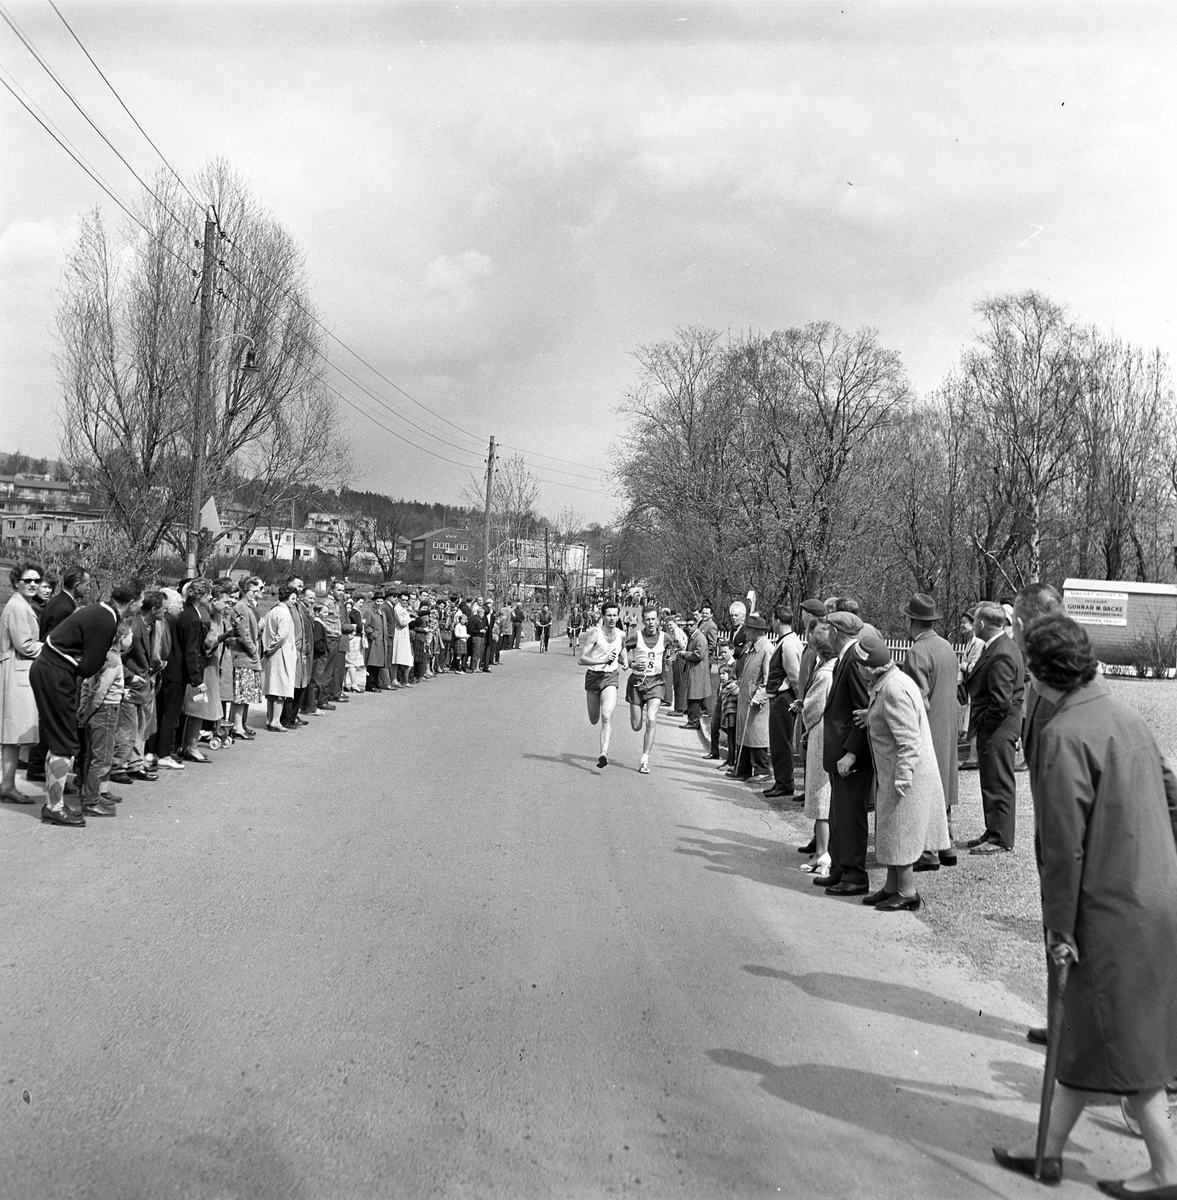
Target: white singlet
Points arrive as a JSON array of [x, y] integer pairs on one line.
[[613, 644], [647, 660]]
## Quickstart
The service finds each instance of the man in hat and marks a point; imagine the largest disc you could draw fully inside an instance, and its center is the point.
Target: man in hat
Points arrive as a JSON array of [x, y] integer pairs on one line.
[[752, 720], [784, 675], [931, 662], [996, 685], [846, 756]]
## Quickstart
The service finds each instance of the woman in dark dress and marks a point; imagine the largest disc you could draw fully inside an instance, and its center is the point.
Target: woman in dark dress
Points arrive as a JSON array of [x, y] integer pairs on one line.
[[1106, 838]]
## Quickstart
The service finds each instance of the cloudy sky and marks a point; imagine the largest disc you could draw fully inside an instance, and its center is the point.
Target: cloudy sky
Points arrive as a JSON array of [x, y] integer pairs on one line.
[[500, 201]]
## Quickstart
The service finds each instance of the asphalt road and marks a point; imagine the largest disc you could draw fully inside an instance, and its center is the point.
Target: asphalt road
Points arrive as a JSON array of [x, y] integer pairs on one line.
[[425, 948]]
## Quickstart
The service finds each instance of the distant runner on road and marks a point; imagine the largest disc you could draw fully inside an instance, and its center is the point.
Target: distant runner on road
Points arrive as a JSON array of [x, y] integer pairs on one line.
[[603, 655], [646, 689]]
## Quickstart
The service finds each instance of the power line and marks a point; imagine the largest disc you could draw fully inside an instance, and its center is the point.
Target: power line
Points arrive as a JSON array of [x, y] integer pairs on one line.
[[176, 175], [94, 176], [69, 95], [163, 158]]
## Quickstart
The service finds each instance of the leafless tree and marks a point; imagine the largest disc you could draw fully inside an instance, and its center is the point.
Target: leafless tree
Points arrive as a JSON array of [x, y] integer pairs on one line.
[[128, 365]]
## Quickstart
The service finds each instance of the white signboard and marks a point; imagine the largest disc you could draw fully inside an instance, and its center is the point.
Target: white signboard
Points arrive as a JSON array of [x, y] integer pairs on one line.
[[1097, 608]]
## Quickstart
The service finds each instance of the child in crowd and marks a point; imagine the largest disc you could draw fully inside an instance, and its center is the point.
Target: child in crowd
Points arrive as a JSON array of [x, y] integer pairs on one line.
[[99, 700], [459, 662]]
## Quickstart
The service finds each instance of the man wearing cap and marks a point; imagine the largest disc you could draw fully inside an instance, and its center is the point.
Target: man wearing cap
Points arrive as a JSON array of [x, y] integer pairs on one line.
[[846, 756], [931, 662], [784, 687], [996, 685], [753, 763]]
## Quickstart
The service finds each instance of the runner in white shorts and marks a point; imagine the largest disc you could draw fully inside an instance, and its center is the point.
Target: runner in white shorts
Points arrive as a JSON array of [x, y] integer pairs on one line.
[[603, 654], [646, 689]]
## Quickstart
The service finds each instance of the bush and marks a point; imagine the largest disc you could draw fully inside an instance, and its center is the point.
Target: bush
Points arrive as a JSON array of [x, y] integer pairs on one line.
[[1154, 652]]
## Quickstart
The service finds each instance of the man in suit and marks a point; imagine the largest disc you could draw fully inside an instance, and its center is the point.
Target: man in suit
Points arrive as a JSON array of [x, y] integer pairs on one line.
[[847, 758], [784, 671], [996, 685], [932, 664]]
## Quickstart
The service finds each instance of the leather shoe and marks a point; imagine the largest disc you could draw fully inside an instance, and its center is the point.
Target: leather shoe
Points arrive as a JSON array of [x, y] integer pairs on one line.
[[1052, 1168], [326, 706], [987, 848], [972, 843], [947, 858], [846, 888], [927, 862], [1115, 1187], [774, 791], [35, 776], [109, 798], [810, 847], [62, 816], [712, 756], [826, 881], [142, 775], [100, 810], [1037, 1035], [121, 777], [898, 903], [877, 897]]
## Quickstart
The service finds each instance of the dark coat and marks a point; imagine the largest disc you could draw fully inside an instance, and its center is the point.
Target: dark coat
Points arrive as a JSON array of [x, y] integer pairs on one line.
[[1106, 834], [849, 689], [932, 664], [191, 630], [996, 685], [698, 665]]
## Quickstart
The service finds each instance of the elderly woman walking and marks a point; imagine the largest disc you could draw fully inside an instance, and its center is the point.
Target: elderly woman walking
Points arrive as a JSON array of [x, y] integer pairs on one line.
[[19, 645], [1105, 811], [909, 797]]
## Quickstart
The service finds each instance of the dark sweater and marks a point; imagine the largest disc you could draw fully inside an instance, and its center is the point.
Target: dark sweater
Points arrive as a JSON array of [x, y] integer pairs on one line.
[[86, 636]]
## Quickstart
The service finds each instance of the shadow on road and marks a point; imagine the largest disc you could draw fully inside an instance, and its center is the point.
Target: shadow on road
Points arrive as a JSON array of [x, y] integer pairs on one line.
[[901, 1000], [582, 762], [763, 860], [933, 1115]]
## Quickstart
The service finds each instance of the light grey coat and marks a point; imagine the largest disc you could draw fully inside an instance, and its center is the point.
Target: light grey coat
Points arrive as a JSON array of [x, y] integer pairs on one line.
[[909, 798], [19, 646]]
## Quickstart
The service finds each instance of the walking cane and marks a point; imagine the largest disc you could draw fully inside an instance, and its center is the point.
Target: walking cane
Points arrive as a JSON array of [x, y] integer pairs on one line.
[[1054, 1032]]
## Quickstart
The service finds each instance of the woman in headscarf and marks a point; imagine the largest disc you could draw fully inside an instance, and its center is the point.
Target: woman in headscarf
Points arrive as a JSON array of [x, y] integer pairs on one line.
[[909, 797], [817, 779], [20, 644], [1105, 814]]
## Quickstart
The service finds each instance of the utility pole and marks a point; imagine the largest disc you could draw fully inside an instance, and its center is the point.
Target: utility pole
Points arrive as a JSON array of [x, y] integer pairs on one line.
[[547, 568], [490, 474], [203, 399]]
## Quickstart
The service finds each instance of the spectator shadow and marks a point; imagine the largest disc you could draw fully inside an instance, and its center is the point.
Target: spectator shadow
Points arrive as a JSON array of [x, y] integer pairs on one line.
[[910, 1003], [570, 760], [928, 1115], [763, 860]]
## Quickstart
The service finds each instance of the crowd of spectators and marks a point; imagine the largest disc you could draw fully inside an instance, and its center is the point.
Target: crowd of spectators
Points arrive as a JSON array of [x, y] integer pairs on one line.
[[112, 692]]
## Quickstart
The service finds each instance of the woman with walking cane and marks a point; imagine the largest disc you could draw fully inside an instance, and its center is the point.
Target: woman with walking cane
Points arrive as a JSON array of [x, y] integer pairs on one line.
[[1106, 840]]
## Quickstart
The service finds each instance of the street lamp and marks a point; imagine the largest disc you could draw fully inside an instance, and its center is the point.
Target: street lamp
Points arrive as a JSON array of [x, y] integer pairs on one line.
[[249, 367]]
